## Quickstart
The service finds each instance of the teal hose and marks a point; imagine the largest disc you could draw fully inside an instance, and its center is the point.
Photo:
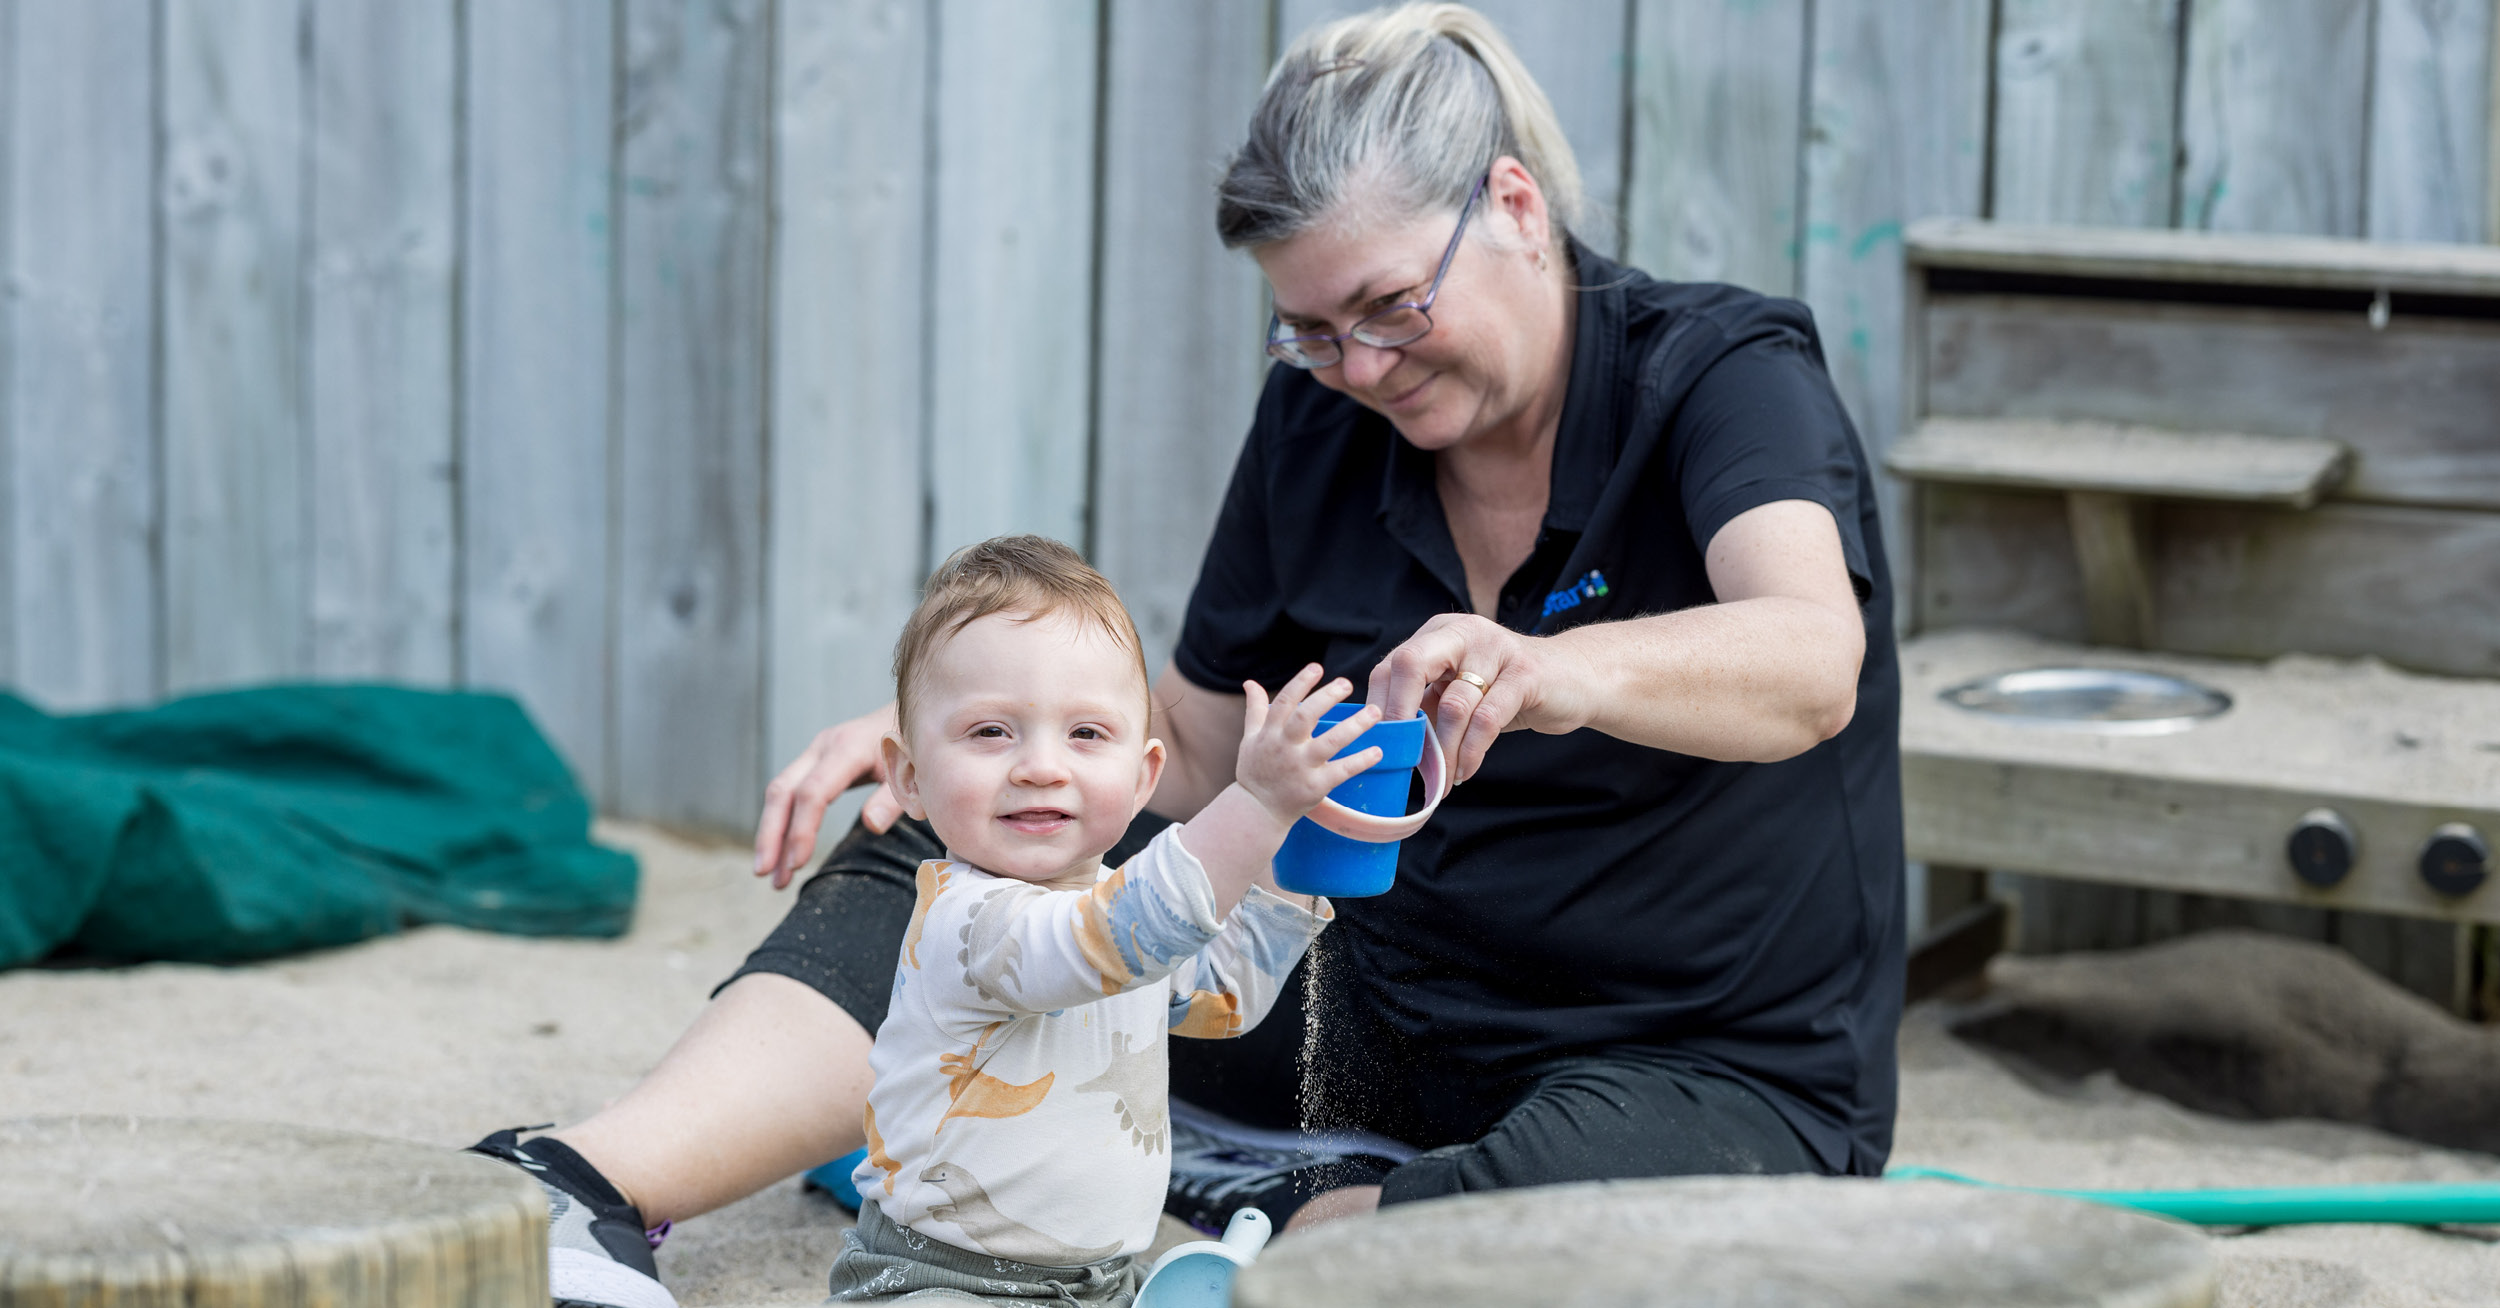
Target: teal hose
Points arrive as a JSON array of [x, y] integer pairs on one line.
[[2466, 1203]]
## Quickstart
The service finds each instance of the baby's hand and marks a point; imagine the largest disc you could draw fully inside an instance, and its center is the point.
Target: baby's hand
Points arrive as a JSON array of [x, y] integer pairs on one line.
[[1283, 766]]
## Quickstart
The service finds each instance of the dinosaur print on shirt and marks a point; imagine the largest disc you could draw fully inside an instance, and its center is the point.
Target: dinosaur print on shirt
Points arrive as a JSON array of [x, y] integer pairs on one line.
[[1022, 1098]]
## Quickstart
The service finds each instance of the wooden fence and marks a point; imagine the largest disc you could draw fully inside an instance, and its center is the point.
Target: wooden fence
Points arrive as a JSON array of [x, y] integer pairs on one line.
[[639, 356]]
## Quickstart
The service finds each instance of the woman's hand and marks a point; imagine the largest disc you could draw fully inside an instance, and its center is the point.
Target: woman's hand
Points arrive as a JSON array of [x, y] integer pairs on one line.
[[1530, 682], [794, 804], [1281, 764]]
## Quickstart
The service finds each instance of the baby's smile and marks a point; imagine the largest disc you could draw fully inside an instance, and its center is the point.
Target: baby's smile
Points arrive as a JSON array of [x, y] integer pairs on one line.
[[1038, 821]]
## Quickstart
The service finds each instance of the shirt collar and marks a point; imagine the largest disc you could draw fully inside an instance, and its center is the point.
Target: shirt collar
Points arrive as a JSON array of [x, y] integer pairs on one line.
[[1588, 439], [1585, 442]]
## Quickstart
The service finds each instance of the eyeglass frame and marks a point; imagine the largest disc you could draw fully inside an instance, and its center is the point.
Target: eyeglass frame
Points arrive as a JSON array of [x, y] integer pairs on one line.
[[1278, 347]]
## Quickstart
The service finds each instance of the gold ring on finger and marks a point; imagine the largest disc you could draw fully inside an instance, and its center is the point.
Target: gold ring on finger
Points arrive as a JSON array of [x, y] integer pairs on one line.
[[1473, 680]]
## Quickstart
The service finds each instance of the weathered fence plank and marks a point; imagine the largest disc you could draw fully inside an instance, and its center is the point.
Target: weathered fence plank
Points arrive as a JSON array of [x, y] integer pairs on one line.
[[1575, 49], [695, 157], [537, 245], [2086, 101], [1896, 131], [10, 116], [1011, 323], [1179, 366], [849, 370], [77, 324], [1718, 103], [379, 332], [2430, 120], [2272, 124], [232, 128]]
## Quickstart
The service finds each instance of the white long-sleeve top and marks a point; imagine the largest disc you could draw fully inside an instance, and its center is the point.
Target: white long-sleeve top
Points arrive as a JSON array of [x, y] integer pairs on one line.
[[1020, 1105]]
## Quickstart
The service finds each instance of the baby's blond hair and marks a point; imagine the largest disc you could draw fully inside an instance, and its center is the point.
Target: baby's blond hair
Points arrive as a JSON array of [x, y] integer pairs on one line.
[[1034, 576]]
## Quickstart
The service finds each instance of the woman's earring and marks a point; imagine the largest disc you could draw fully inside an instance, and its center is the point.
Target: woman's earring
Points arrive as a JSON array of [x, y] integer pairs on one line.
[[1540, 261]]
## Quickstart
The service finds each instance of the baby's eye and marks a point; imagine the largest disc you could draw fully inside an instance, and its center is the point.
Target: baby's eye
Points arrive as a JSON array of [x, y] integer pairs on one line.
[[1087, 733], [989, 731]]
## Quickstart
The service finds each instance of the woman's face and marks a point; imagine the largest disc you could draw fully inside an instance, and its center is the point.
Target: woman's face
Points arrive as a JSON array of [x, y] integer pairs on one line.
[[1495, 324]]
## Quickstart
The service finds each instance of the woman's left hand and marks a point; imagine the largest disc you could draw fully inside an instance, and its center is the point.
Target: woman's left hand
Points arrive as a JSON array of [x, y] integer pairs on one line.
[[1528, 682]]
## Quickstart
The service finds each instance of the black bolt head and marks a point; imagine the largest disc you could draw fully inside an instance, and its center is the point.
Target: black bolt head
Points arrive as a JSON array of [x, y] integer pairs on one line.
[[2456, 860]]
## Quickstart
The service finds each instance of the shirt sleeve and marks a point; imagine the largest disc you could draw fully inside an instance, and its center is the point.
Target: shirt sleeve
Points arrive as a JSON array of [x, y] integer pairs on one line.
[[1763, 424], [1030, 949], [1233, 982]]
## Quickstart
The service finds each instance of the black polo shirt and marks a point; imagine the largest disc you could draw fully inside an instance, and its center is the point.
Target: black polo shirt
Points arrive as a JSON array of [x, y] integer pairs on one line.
[[1582, 891]]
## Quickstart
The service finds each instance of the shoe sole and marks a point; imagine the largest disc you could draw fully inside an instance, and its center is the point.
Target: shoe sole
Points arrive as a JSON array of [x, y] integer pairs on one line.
[[576, 1277]]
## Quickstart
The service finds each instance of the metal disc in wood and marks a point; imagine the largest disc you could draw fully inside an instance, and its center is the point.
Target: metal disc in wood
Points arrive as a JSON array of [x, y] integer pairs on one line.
[[1726, 1241], [122, 1212]]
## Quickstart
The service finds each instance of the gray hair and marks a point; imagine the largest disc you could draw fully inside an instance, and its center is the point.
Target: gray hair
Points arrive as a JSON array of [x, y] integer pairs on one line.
[[1402, 108]]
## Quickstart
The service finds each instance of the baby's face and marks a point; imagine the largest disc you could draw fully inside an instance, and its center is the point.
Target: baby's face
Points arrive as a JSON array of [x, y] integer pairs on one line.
[[1028, 749]]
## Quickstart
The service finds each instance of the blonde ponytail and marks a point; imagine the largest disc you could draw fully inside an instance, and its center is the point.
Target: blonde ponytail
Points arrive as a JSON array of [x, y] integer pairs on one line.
[[1412, 102]]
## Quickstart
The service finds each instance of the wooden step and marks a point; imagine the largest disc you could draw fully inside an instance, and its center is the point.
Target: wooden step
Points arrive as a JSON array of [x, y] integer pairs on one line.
[[2121, 459]]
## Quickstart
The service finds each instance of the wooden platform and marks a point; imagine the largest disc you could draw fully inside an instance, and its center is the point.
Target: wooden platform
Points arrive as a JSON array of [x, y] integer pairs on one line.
[[2121, 459], [2226, 258], [2210, 808], [118, 1212]]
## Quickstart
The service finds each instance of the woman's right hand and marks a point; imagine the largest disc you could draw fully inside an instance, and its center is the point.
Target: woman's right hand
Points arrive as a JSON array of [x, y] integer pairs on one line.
[[794, 804]]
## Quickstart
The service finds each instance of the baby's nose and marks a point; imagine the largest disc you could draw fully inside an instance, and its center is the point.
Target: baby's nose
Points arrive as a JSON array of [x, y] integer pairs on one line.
[[1041, 763]]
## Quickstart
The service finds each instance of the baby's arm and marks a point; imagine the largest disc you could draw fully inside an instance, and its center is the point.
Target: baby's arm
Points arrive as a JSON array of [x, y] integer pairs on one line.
[[1283, 772], [1237, 978], [1029, 949]]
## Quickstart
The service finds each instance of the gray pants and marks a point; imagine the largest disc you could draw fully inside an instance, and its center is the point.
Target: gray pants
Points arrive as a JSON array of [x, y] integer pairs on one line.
[[881, 1262]]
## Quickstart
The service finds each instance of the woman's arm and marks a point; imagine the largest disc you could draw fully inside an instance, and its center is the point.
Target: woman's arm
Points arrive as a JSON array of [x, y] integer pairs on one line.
[[1768, 672]]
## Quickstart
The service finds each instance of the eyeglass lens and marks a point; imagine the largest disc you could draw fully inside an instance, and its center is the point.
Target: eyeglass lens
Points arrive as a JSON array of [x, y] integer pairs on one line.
[[1399, 324]]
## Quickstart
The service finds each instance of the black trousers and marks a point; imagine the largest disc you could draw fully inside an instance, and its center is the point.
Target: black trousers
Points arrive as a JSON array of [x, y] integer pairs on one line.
[[1585, 1115]]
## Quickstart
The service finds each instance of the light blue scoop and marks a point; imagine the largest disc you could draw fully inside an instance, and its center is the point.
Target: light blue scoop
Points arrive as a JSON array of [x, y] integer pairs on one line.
[[1200, 1274]]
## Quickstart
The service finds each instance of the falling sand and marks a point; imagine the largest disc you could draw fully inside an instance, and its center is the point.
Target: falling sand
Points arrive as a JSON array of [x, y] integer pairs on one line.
[[1308, 1061]]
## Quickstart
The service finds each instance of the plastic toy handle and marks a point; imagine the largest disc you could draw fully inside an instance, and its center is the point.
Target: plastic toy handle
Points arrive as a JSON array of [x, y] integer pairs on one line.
[[1373, 829], [1247, 1233]]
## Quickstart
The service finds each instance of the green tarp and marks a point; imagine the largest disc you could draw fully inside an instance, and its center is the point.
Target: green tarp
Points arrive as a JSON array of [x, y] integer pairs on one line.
[[239, 825]]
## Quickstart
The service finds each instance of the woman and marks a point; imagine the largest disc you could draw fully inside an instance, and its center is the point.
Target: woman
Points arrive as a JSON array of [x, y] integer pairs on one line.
[[1618, 538]]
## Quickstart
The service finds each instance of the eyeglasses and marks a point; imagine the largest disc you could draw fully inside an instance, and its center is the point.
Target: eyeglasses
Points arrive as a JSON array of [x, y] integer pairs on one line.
[[1399, 324]]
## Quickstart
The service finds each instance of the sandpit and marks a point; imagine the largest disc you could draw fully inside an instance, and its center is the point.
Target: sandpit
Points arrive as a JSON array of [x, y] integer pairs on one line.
[[443, 1035]]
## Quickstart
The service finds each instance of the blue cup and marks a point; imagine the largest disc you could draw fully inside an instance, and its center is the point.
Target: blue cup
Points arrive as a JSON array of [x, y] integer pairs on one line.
[[1317, 861]]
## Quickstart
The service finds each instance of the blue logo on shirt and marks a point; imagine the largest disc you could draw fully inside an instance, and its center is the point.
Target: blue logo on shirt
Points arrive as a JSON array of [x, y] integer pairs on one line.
[[1592, 586]]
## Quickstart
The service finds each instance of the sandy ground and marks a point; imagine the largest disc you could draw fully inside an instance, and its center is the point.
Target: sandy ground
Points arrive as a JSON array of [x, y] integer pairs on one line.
[[443, 1035]]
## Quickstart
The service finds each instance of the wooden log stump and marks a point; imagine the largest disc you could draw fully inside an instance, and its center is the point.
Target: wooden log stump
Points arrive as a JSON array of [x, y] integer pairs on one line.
[[122, 1212], [1739, 1241]]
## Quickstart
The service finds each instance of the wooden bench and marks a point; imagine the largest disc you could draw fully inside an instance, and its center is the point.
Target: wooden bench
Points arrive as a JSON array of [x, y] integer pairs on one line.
[[2214, 448]]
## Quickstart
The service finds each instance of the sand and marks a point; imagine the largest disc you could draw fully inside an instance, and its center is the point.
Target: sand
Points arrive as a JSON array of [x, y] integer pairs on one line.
[[442, 1035]]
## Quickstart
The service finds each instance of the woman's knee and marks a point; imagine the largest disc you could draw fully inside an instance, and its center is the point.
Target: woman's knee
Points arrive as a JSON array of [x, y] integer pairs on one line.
[[1610, 1118]]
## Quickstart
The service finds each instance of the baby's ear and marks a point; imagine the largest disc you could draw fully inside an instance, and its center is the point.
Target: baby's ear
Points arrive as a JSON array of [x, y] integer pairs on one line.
[[1149, 774], [900, 776]]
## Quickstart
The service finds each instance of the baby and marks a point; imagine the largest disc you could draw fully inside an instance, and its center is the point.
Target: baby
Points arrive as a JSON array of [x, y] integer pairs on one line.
[[1017, 1131]]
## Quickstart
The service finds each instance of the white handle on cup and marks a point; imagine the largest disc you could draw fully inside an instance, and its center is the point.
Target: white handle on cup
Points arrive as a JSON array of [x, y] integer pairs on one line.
[[1373, 829]]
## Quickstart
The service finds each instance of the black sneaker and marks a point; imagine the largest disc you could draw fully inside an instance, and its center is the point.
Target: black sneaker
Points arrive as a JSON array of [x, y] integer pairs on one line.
[[598, 1254], [1214, 1177]]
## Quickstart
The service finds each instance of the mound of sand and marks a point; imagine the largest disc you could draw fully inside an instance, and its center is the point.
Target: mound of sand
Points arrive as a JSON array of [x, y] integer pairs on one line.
[[2254, 1026], [442, 1035]]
